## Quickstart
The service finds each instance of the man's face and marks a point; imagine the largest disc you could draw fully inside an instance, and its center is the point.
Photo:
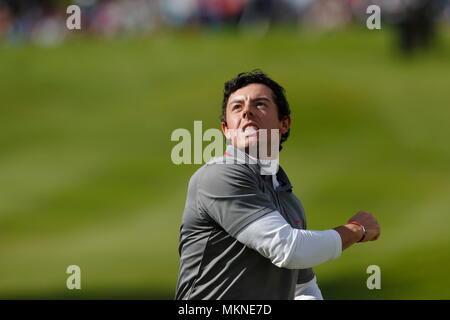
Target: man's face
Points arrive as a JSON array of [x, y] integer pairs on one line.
[[249, 109]]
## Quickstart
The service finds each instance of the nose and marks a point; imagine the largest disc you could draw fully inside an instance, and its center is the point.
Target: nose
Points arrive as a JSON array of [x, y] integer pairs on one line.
[[247, 111]]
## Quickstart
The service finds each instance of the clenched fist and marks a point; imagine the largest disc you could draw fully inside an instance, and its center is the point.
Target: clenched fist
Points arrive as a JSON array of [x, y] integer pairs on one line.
[[352, 233], [369, 222]]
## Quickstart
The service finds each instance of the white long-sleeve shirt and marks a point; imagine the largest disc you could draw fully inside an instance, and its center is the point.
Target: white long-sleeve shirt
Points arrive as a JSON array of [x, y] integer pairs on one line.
[[287, 247]]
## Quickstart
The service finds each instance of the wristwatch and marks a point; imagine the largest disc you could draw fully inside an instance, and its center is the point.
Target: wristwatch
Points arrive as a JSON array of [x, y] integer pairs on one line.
[[362, 228]]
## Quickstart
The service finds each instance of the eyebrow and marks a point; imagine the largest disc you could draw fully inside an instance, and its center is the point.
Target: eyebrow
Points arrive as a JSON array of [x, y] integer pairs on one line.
[[263, 98]]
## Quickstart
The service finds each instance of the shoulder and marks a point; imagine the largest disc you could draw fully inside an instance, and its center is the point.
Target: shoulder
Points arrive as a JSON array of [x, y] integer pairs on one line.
[[216, 175]]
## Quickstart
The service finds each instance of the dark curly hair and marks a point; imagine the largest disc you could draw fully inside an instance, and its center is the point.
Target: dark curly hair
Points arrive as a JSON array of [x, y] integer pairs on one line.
[[257, 76]]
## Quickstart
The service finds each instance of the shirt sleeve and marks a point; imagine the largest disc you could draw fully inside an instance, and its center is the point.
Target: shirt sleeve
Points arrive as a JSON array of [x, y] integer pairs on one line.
[[287, 247], [232, 195]]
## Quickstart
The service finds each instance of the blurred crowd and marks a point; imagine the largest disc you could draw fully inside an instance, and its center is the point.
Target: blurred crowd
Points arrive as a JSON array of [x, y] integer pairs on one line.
[[44, 21]]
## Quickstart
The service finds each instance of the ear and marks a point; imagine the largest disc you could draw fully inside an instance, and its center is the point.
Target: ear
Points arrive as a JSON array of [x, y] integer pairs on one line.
[[285, 125], [225, 130]]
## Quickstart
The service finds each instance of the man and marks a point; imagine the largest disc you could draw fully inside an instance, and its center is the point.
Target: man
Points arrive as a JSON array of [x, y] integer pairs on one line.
[[243, 234]]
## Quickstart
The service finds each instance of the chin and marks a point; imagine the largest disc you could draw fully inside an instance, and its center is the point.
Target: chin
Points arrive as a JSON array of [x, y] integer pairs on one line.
[[250, 146]]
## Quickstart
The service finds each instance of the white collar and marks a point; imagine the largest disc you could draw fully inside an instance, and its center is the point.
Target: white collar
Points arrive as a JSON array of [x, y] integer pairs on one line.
[[235, 155]]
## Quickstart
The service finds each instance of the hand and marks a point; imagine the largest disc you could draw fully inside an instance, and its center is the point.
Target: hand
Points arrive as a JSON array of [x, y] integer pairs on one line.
[[370, 224]]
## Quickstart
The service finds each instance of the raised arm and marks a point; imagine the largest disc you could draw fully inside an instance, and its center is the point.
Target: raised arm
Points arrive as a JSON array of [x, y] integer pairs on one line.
[[293, 248]]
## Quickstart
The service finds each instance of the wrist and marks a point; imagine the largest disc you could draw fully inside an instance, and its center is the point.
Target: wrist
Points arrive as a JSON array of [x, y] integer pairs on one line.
[[350, 234], [361, 230]]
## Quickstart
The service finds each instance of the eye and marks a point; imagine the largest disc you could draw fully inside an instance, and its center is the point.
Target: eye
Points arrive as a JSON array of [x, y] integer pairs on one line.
[[261, 104], [235, 107]]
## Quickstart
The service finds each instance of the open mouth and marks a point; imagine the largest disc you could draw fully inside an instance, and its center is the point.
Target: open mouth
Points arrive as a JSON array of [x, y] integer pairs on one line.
[[250, 129]]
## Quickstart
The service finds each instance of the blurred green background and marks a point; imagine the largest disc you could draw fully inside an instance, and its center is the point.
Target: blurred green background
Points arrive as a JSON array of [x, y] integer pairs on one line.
[[86, 176]]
